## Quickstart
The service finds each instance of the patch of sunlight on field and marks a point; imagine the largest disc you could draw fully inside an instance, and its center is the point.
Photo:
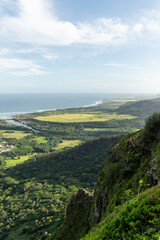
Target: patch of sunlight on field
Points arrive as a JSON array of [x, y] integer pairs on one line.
[[15, 134], [40, 139], [67, 143], [99, 129], [124, 100], [68, 118], [13, 162]]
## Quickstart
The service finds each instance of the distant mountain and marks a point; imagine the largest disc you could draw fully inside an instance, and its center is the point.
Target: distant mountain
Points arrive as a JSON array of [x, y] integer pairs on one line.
[[141, 108]]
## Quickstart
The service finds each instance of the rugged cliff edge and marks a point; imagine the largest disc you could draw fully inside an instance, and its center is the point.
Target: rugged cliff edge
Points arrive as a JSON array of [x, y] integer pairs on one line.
[[132, 167]]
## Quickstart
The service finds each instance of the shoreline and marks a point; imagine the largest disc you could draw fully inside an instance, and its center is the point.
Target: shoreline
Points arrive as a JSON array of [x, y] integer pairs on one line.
[[10, 115]]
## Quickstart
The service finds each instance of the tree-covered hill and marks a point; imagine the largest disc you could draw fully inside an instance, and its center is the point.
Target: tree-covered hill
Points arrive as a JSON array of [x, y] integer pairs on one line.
[[141, 108], [79, 165]]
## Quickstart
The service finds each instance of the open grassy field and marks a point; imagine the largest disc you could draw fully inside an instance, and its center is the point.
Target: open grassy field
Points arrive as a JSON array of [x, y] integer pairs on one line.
[[67, 143], [90, 117], [13, 162], [40, 139], [99, 129], [124, 100], [15, 134]]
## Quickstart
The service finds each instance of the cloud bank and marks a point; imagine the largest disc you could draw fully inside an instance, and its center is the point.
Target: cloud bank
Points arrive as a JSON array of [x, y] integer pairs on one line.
[[35, 21], [20, 67]]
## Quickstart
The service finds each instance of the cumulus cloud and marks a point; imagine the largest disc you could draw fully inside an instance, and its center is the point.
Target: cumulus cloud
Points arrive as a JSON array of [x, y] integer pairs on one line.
[[20, 67], [35, 21], [103, 31]]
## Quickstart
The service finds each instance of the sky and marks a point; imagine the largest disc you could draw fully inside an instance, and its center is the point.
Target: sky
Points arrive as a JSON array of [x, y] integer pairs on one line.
[[79, 46]]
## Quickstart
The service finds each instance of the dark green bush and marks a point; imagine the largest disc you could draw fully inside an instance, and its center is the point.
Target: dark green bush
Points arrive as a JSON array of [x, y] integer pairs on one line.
[[152, 128]]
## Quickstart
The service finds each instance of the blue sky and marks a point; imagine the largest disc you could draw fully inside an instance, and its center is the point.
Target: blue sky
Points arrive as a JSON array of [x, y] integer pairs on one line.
[[79, 46]]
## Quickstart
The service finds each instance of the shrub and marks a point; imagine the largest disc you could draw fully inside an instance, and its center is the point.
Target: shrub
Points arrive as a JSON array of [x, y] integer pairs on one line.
[[152, 128]]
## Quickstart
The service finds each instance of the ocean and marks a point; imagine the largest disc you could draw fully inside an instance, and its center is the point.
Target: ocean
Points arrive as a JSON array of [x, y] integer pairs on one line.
[[11, 104]]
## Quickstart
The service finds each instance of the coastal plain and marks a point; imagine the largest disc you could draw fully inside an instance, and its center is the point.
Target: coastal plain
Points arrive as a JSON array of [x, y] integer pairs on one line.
[[90, 117]]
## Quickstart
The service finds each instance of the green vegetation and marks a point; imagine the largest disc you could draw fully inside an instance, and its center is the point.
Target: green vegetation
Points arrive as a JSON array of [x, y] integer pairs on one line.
[[16, 134], [130, 169], [13, 134], [152, 129], [91, 117], [38, 190], [136, 219], [41, 139], [18, 160], [140, 108], [78, 165], [76, 223], [29, 209], [67, 143], [47, 166]]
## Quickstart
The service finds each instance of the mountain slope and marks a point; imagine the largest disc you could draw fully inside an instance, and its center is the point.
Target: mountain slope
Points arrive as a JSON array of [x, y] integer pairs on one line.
[[136, 219], [141, 108]]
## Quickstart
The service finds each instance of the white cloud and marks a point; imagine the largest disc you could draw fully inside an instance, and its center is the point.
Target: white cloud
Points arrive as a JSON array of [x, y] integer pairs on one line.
[[103, 31], [44, 52], [121, 65], [29, 72], [20, 67], [35, 21], [50, 57], [27, 50], [151, 24], [4, 51]]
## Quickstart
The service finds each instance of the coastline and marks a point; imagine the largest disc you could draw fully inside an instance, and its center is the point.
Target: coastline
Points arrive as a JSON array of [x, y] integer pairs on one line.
[[10, 115]]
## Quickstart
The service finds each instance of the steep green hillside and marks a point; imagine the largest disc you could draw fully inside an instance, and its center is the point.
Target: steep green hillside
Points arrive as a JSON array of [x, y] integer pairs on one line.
[[133, 166], [138, 218]]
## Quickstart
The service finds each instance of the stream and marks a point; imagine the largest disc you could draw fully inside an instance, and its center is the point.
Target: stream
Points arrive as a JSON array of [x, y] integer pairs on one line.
[[16, 123]]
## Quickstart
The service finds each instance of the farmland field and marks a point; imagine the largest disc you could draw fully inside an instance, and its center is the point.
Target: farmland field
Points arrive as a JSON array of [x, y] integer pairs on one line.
[[13, 162], [14, 134], [40, 139], [90, 117], [67, 143]]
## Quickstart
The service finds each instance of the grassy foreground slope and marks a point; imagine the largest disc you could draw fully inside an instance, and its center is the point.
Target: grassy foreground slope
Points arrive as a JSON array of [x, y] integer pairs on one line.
[[132, 167], [137, 218]]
